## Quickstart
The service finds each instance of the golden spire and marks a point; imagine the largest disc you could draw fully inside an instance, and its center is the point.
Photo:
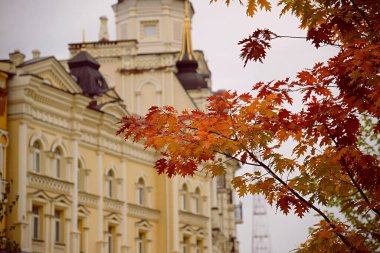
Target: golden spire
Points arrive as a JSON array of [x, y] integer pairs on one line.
[[186, 50], [83, 46]]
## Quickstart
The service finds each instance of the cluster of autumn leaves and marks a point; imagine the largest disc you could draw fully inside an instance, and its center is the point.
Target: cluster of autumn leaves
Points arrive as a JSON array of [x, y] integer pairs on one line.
[[334, 135]]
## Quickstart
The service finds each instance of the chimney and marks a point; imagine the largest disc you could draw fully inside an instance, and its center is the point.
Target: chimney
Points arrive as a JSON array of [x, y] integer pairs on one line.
[[17, 57], [36, 54], [103, 33]]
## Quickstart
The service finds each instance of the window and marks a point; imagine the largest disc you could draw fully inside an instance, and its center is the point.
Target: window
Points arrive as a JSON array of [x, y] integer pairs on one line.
[[141, 191], [57, 162], [149, 29], [141, 242], [37, 156], [184, 197], [81, 175], [199, 247], [221, 181], [230, 196], [186, 244], [81, 239], [58, 226], [111, 242], [197, 199], [111, 186], [36, 223]]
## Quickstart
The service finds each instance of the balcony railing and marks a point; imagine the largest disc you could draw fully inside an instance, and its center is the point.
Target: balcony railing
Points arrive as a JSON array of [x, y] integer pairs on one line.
[[49, 183]]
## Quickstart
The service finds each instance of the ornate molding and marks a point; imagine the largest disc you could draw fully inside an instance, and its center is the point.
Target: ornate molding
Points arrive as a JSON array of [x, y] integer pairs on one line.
[[143, 212], [38, 246], [49, 184], [193, 219], [52, 103], [88, 199], [113, 205], [50, 118]]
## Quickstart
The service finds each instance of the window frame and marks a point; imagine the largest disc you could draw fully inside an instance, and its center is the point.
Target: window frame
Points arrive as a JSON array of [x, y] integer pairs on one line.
[[146, 24], [58, 226], [36, 160], [111, 193], [141, 242], [184, 194], [36, 222], [57, 164], [141, 192]]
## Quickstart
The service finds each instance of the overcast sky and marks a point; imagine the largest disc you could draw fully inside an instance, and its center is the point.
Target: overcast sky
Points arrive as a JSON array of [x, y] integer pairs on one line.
[[49, 25]]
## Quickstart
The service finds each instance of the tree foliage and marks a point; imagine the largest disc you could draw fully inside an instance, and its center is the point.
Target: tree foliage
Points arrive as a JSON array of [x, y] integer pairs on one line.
[[334, 134]]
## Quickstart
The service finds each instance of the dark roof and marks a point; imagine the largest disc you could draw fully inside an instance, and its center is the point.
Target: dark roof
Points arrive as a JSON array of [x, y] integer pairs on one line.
[[83, 58], [31, 61], [188, 76], [86, 71]]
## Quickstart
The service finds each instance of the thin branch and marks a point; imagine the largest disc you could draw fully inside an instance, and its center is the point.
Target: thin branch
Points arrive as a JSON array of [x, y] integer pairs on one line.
[[304, 38], [297, 195], [349, 173], [362, 13]]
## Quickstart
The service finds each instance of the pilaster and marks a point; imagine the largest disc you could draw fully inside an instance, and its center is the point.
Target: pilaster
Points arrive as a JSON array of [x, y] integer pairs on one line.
[[74, 235], [175, 247], [124, 223], [22, 182], [100, 207]]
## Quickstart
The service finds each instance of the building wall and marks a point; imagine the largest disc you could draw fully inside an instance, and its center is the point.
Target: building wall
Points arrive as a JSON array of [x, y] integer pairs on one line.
[[108, 196]]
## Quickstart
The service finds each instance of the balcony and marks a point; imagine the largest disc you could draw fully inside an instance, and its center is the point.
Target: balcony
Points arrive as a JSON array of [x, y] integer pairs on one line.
[[193, 219], [143, 212], [113, 205], [50, 184], [88, 199], [239, 214]]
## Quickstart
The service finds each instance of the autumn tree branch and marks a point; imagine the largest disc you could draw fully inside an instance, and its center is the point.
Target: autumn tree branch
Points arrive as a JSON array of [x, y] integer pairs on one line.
[[350, 175], [308, 203]]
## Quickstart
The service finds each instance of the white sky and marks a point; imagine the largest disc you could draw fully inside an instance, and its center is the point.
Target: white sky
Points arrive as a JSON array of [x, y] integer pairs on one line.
[[49, 25]]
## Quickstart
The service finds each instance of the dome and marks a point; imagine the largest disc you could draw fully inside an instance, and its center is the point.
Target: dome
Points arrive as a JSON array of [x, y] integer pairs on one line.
[[188, 76]]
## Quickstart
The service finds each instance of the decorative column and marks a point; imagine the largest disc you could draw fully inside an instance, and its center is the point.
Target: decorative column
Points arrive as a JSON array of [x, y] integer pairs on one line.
[[49, 229], [85, 238], [75, 234], [21, 187], [69, 243], [124, 223], [175, 247], [100, 243], [207, 211]]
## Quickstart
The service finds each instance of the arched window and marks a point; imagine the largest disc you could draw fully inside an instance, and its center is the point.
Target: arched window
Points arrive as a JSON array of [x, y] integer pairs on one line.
[[57, 163], [141, 191], [81, 175], [197, 200], [37, 156], [184, 196], [111, 183]]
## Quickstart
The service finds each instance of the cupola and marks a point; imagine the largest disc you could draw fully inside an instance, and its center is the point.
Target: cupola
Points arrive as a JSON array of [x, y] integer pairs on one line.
[[187, 65], [86, 71]]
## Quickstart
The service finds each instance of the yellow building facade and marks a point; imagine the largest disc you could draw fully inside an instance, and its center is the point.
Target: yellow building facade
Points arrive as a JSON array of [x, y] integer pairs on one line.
[[80, 187]]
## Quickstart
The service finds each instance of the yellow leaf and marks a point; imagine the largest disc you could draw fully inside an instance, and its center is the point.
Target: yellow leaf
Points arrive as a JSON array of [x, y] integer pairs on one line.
[[251, 8]]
